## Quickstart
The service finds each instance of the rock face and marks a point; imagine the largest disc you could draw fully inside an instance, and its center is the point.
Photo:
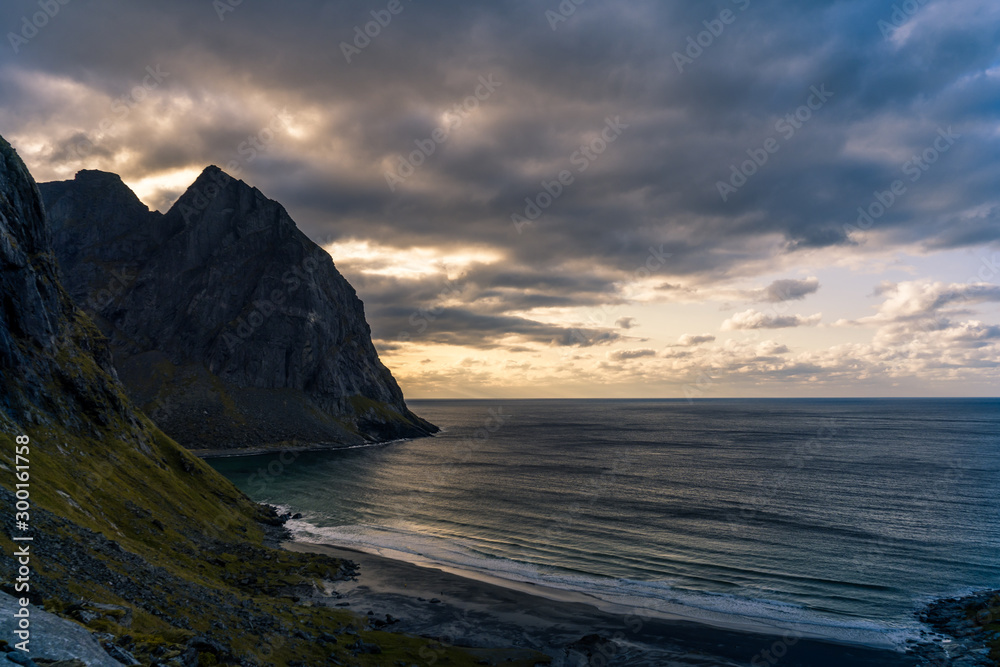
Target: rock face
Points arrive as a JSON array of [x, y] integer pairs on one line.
[[46, 343], [228, 325], [152, 555], [96, 466], [54, 638]]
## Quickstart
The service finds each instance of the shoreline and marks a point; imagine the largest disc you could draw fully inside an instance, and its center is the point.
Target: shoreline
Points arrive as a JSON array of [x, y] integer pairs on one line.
[[462, 610], [293, 449]]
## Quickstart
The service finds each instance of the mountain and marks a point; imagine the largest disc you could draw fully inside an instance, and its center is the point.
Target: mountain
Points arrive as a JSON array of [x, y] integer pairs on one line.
[[140, 553], [227, 324], [117, 512]]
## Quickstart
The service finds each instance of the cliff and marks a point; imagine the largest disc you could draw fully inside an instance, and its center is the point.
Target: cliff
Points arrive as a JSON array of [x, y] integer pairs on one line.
[[228, 325], [151, 556]]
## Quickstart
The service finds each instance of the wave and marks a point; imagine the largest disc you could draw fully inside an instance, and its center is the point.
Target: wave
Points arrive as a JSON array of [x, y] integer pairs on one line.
[[624, 596]]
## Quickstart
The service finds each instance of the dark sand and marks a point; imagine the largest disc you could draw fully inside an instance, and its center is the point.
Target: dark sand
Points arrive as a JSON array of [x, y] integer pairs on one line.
[[479, 614]]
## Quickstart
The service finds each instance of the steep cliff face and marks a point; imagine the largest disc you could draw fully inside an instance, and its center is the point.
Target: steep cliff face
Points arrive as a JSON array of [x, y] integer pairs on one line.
[[98, 470], [228, 324], [134, 538], [47, 346]]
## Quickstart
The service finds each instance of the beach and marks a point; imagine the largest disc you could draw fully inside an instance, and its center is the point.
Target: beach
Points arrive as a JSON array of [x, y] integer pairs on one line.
[[466, 611]]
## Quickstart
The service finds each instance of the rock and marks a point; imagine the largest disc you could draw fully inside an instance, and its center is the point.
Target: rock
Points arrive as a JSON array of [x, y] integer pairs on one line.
[[361, 646], [39, 322], [378, 623], [966, 646], [19, 658], [54, 638], [120, 615], [227, 323], [120, 654], [593, 645], [206, 645], [85, 616], [189, 658]]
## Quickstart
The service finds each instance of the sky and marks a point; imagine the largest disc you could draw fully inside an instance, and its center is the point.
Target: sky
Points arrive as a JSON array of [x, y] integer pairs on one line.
[[585, 198]]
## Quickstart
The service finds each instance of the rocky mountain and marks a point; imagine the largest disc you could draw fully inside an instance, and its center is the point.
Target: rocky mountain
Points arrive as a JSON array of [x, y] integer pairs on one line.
[[228, 325], [140, 553], [117, 511]]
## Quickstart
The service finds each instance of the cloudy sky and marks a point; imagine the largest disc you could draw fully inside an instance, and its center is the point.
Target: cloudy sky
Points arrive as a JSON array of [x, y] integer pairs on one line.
[[593, 198]]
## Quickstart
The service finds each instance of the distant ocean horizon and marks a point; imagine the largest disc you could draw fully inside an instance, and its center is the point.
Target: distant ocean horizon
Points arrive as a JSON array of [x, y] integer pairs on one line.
[[833, 517]]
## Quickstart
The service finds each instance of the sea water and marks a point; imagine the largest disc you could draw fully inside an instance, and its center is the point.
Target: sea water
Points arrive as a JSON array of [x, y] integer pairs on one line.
[[834, 518]]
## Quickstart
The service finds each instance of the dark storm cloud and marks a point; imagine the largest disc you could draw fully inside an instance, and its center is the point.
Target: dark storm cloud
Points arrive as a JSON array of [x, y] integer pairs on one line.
[[457, 326], [656, 184], [494, 300]]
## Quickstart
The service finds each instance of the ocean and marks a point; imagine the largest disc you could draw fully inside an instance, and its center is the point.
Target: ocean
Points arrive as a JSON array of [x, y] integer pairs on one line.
[[838, 519]]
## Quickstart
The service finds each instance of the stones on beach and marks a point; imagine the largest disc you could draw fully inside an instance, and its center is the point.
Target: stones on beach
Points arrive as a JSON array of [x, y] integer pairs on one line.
[[378, 623], [967, 638], [591, 645]]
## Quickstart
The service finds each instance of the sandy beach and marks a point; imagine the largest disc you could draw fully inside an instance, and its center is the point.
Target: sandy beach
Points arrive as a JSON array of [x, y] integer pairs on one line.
[[464, 611]]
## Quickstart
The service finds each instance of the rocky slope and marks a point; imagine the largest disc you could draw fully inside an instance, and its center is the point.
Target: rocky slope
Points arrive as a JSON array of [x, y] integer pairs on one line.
[[228, 325], [135, 539]]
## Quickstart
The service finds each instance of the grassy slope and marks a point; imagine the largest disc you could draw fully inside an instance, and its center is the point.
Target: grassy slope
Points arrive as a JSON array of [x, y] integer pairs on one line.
[[123, 515], [176, 513]]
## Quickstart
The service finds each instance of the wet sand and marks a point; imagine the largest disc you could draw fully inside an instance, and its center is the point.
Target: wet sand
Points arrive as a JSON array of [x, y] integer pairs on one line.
[[465, 611]]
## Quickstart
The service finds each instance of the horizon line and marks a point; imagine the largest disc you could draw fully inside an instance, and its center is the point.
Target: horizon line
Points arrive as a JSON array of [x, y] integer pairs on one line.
[[713, 398]]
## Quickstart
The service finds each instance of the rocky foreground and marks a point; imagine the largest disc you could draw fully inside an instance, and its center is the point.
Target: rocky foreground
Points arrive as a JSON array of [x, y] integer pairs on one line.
[[968, 628]]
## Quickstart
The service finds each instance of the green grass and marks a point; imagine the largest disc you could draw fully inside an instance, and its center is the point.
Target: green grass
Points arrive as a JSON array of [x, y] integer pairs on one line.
[[185, 534], [134, 485]]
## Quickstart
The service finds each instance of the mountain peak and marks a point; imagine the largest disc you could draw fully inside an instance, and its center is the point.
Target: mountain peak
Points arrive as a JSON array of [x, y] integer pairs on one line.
[[256, 336], [115, 197], [215, 174], [97, 176]]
